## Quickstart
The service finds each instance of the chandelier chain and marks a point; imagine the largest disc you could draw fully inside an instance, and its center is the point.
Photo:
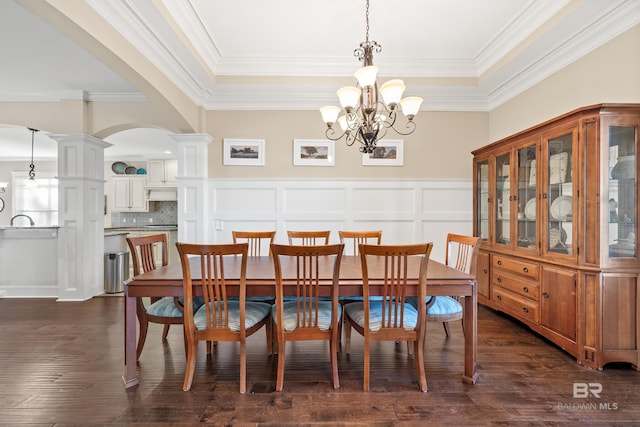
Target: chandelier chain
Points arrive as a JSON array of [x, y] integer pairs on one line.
[[366, 38]]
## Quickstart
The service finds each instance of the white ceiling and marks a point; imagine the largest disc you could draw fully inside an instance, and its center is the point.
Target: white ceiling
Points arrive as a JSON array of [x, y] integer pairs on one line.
[[460, 55]]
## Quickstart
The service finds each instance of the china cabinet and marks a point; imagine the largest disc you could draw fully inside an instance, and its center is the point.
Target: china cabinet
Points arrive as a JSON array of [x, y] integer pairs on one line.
[[557, 206]]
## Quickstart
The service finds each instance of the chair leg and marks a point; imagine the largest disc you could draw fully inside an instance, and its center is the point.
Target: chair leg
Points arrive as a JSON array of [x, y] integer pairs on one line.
[[422, 377], [333, 350], [243, 366], [446, 328], [142, 337], [165, 332], [347, 336], [367, 364], [280, 373], [192, 348], [269, 328]]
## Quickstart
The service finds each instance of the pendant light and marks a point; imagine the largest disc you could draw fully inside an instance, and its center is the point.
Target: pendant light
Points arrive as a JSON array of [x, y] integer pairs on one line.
[[31, 182]]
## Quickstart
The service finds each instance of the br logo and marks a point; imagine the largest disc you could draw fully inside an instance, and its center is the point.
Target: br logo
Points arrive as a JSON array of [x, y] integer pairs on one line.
[[583, 390]]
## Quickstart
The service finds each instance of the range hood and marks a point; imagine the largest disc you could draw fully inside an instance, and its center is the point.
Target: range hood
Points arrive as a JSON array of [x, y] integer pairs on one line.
[[155, 194]]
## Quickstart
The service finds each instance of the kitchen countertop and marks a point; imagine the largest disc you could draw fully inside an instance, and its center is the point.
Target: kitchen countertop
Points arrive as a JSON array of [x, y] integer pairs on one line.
[[118, 230]]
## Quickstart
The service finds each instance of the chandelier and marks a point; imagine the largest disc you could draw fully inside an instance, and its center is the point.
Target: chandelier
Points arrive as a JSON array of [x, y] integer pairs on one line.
[[366, 117]]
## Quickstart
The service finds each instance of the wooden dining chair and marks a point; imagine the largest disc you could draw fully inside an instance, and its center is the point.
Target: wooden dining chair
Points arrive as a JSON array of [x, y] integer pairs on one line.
[[220, 318], [259, 244], [307, 316], [308, 238], [352, 241], [355, 238], [259, 241], [166, 311], [392, 318], [461, 254]]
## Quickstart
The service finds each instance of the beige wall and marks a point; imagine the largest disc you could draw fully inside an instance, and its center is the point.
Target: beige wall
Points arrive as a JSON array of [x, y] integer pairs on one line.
[[609, 74], [439, 148]]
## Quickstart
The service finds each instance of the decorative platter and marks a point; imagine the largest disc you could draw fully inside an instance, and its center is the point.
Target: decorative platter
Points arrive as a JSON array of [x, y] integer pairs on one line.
[[561, 208], [141, 171], [557, 237], [118, 167], [131, 170], [530, 209]]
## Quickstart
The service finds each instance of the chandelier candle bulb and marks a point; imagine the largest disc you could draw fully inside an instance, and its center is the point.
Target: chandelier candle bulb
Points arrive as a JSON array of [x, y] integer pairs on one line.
[[349, 97], [366, 76], [392, 91], [330, 114], [410, 106]]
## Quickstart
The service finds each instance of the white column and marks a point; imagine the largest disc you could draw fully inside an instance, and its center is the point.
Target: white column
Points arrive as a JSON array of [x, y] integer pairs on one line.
[[80, 216], [193, 175]]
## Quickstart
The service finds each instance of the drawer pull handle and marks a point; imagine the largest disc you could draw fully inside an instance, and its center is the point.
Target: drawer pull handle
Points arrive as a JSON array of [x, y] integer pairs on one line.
[[499, 262], [545, 294], [525, 309], [526, 289], [484, 270], [499, 279], [499, 297], [525, 269]]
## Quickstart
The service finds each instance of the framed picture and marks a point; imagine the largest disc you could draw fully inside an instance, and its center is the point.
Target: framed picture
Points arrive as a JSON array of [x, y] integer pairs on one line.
[[244, 152], [312, 152], [386, 153]]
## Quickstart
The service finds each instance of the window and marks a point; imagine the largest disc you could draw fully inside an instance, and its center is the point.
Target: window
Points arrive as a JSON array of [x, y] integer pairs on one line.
[[40, 203]]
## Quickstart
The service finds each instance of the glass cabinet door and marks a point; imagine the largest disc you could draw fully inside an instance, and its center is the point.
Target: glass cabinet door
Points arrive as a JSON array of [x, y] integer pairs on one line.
[[503, 200], [559, 194], [622, 190], [482, 197], [526, 170]]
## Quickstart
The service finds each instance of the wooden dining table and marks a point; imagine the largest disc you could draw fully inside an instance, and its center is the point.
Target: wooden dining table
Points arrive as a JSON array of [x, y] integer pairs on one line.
[[260, 279]]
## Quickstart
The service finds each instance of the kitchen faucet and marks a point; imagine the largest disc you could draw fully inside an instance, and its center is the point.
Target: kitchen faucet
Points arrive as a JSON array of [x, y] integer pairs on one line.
[[26, 216]]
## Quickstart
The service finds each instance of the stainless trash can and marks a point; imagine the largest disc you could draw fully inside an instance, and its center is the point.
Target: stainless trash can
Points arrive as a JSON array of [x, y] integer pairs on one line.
[[116, 271]]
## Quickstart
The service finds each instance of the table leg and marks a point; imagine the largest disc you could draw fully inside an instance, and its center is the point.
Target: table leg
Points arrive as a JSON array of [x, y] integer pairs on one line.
[[470, 336], [130, 376]]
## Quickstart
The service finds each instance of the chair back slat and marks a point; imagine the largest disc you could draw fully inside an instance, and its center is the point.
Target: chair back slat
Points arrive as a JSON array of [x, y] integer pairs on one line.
[[257, 240], [357, 238], [143, 252], [309, 238]]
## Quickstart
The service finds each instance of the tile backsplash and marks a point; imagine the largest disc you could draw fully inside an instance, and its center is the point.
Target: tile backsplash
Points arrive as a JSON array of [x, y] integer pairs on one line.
[[165, 212]]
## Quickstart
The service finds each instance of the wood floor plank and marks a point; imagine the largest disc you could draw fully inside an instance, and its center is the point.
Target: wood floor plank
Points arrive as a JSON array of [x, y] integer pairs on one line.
[[61, 364]]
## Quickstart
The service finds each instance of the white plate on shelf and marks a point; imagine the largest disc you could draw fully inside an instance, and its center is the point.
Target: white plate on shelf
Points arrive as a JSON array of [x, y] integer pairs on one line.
[[530, 209], [561, 208]]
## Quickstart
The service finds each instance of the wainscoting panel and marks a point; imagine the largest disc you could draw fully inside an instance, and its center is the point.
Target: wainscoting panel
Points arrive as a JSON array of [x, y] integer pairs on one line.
[[407, 211]]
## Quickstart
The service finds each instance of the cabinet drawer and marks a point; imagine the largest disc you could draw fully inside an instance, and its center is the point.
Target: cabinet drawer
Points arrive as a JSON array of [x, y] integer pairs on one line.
[[512, 303], [526, 288], [527, 269]]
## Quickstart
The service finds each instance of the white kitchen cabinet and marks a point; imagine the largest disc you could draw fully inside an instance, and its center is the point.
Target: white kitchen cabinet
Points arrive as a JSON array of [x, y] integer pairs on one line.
[[129, 194], [162, 173]]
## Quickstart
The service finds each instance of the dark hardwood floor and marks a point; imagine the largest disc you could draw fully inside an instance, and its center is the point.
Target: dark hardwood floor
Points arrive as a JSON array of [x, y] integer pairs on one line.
[[61, 365]]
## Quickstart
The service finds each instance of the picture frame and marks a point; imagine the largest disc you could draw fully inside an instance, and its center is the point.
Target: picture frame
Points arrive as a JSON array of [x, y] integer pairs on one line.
[[313, 152], [244, 152], [386, 153]]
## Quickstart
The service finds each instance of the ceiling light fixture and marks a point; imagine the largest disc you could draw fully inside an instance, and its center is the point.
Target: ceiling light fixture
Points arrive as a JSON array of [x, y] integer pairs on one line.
[[368, 121], [31, 182]]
